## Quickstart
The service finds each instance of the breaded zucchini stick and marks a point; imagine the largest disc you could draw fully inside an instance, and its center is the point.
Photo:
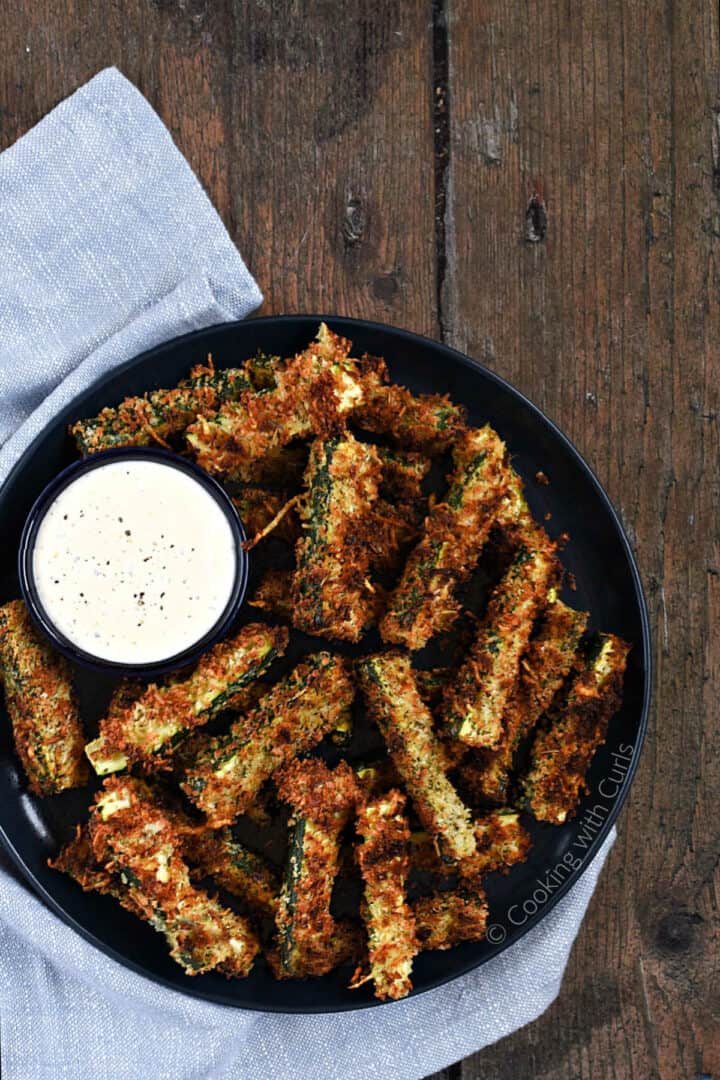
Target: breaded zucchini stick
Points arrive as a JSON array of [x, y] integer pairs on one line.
[[454, 532], [41, 704], [429, 422], [163, 716], [134, 836], [384, 865], [474, 702], [323, 802], [543, 669], [445, 919], [312, 394], [230, 769], [234, 867], [394, 703], [79, 861], [331, 593], [161, 414], [502, 840], [562, 751], [258, 507]]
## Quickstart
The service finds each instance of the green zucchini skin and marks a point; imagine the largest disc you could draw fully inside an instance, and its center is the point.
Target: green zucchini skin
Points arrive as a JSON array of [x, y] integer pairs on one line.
[[163, 716], [41, 704], [474, 702], [331, 596], [423, 603], [573, 729], [228, 770], [391, 693]]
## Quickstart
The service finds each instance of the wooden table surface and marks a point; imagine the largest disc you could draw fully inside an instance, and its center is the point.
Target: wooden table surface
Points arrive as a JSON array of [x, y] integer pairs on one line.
[[537, 183]]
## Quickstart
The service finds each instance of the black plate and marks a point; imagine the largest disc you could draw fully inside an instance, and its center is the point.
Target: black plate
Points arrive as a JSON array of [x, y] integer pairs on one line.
[[607, 584]]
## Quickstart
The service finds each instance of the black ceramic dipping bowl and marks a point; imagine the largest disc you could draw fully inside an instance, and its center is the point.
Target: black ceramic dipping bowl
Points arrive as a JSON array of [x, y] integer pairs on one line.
[[44, 621], [607, 585]]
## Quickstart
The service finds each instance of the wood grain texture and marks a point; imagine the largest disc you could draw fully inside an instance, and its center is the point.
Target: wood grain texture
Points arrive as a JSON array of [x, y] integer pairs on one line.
[[555, 211], [311, 133], [582, 225]]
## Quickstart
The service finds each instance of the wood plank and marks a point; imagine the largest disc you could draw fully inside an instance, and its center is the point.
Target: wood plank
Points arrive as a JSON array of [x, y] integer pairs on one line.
[[311, 133], [582, 227]]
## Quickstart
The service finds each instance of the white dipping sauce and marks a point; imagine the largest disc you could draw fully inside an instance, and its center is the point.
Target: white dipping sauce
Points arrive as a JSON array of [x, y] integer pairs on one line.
[[134, 561]]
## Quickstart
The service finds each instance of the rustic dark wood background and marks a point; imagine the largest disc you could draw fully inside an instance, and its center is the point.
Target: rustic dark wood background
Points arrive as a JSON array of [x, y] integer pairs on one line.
[[536, 182]]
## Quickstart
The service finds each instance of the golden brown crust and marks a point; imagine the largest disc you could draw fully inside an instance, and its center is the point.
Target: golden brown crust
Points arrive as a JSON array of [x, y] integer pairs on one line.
[[149, 727], [230, 769], [428, 422], [160, 415], [394, 703], [485, 774], [332, 594], [312, 394], [564, 748], [383, 860], [322, 801], [444, 919], [133, 836], [424, 603], [258, 507], [41, 704], [474, 701]]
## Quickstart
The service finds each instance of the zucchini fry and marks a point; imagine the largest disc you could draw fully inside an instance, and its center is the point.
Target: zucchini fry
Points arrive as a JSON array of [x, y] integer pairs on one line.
[[312, 394], [322, 802], [475, 700], [429, 423], [41, 704], [234, 867], [163, 716], [258, 507], [230, 769], [78, 860], [331, 594], [384, 864], [445, 919], [162, 414], [562, 751], [423, 603], [406, 725], [543, 669], [502, 840], [134, 837]]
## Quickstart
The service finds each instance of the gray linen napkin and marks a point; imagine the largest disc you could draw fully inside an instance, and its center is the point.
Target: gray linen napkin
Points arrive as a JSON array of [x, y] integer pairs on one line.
[[110, 246]]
